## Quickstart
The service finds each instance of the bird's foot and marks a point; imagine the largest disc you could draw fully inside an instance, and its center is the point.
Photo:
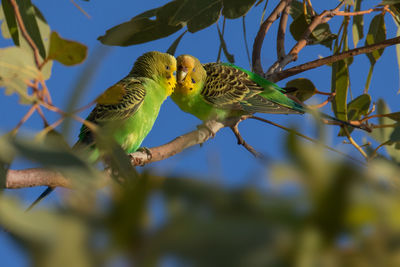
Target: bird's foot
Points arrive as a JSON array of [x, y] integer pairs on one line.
[[147, 151], [207, 125]]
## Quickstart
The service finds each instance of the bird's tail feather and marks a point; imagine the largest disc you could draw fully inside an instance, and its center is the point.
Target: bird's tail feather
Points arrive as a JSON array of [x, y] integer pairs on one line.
[[42, 196]]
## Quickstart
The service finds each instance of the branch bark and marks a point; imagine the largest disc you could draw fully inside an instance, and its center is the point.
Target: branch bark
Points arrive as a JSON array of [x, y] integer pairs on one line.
[[277, 76], [258, 41], [293, 54], [280, 39]]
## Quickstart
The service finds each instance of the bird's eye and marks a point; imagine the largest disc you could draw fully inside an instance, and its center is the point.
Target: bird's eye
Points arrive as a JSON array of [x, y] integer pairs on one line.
[[193, 81], [174, 73], [194, 70], [167, 67]]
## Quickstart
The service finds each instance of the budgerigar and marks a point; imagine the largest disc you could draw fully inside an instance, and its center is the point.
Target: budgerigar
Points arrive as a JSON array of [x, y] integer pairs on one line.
[[128, 109], [222, 90]]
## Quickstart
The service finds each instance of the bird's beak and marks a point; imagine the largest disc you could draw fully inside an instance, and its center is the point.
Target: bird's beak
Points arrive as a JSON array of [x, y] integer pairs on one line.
[[181, 74]]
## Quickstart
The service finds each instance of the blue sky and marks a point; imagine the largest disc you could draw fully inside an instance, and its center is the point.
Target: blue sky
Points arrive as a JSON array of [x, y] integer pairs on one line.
[[221, 158]]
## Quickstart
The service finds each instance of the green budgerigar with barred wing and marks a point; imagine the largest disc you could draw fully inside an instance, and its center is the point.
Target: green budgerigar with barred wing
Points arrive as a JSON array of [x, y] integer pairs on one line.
[[217, 91], [128, 109]]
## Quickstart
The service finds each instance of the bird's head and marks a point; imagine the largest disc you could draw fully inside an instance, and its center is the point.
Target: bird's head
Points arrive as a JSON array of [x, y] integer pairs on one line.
[[158, 66], [190, 74]]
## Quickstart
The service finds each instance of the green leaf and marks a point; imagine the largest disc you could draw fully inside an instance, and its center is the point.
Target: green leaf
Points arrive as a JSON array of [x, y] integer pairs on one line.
[[16, 67], [357, 108], [305, 88], [396, 11], [394, 116], [321, 34], [376, 34], [398, 54], [358, 24], [197, 14], [228, 56], [236, 8], [28, 15], [53, 153], [387, 134], [66, 52], [142, 29], [389, 2], [171, 50], [10, 21], [340, 85]]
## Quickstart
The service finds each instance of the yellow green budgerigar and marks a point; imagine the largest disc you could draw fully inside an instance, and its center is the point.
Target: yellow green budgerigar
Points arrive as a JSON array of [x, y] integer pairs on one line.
[[222, 90], [128, 109]]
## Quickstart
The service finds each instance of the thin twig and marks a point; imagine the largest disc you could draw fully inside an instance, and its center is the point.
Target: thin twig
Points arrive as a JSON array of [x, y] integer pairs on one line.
[[375, 152], [258, 41], [245, 39], [277, 76], [80, 9], [307, 138], [280, 40], [240, 140], [25, 117], [293, 54], [220, 46], [354, 143]]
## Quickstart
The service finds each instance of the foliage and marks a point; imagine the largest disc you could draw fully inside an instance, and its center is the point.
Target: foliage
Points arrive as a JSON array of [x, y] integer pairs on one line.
[[336, 213]]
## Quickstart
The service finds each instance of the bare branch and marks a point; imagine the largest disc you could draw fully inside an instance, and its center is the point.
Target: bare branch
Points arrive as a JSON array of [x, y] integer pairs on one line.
[[277, 76], [258, 41], [35, 177]]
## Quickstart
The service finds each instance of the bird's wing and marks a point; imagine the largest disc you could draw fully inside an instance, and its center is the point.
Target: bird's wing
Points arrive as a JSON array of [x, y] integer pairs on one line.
[[225, 86], [117, 103], [229, 87]]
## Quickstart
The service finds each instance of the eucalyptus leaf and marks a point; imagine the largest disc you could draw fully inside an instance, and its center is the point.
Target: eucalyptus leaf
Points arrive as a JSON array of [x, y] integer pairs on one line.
[[10, 21], [305, 88], [356, 108], [358, 24], [236, 8], [66, 52], [340, 85]]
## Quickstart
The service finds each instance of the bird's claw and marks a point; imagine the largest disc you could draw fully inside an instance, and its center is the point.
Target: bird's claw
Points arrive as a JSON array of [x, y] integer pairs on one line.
[[207, 127], [147, 151]]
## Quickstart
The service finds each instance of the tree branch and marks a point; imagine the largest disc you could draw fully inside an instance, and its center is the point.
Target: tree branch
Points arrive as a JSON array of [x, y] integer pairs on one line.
[[277, 76], [280, 39], [293, 54], [258, 41], [199, 136]]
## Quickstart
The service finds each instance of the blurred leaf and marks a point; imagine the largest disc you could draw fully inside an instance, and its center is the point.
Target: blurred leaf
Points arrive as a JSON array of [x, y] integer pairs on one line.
[[47, 235], [28, 15], [51, 153], [340, 85], [387, 134], [321, 34], [395, 8], [228, 56], [398, 53], [171, 50], [66, 52], [305, 88], [376, 34], [358, 24], [16, 67], [389, 2], [10, 21], [236, 8], [142, 29]]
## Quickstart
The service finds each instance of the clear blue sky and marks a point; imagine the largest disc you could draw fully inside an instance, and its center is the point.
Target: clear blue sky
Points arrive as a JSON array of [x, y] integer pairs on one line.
[[220, 158]]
